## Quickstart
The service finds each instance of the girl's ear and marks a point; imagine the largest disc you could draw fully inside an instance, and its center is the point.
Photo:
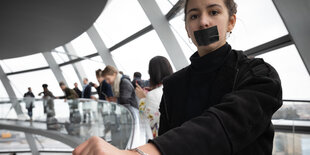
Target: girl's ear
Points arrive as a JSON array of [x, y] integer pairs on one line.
[[231, 23]]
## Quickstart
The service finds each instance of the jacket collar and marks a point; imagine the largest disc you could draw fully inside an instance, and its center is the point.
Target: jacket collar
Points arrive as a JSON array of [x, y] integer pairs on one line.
[[210, 62]]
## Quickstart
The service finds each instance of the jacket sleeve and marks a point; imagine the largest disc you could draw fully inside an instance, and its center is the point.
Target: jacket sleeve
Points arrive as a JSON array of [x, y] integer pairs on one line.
[[50, 94], [126, 89], [163, 123], [108, 89], [228, 127]]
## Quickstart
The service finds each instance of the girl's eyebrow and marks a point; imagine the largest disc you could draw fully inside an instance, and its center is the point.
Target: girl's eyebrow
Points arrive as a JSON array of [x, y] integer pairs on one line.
[[209, 6]]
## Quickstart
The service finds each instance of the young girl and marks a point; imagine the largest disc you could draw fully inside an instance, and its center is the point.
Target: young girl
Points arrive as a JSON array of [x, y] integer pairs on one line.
[[221, 104]]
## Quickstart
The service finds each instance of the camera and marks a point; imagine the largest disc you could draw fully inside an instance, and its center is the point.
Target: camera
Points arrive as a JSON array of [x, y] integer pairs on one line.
[[92, 84]]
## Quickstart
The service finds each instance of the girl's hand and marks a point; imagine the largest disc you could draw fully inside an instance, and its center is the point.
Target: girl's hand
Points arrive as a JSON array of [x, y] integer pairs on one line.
[[140, 92], [97, 146]]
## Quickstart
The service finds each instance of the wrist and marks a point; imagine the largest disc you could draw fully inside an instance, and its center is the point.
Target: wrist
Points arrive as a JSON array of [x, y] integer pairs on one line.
[[130, 152]]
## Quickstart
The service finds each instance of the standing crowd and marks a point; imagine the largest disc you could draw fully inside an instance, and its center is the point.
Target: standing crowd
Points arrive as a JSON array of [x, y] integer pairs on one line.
[[114, 86]]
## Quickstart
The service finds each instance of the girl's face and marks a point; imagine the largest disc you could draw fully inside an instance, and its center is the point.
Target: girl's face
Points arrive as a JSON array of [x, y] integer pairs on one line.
[[202, 14], [110, 78]]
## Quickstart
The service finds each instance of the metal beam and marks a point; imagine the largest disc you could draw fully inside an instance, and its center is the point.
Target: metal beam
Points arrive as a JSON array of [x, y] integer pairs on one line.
[[295, 15], [78, 68], [270, 46], [175, 10], [170, 15], [165, 33], [102, 49], [132, 37], [54, 67], [32, 144], [28, 70], [9, 89]]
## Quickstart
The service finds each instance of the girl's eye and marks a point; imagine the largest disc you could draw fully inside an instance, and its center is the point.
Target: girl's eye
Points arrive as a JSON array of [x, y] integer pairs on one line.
[[193, 17], [213, 13]]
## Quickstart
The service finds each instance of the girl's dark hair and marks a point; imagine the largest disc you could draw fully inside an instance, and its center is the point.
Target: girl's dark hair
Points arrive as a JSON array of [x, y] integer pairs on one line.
[[159, 68], [230, 4]]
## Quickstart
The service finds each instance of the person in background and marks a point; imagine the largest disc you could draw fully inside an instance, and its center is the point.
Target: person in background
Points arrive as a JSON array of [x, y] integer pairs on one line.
[[123, 90], [77, 90], [29, 100], [46, 93], [47, 98], [159, 68], [221, 104], [69, 94], [137, 80], [104, 89], [86, 93], [121, 72], [73, 128]]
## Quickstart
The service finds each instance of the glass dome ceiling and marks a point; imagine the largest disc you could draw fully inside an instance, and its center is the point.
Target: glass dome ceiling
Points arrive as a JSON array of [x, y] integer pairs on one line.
[[127, 34]]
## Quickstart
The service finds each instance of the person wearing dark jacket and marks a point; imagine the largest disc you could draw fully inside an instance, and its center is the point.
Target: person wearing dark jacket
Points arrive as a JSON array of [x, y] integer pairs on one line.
[[46, 93], [86, 93], [221, 104], [70, 94], [77, 90], [137, 79], [48, 103], [29, 99], [123, 90], [104, 89]]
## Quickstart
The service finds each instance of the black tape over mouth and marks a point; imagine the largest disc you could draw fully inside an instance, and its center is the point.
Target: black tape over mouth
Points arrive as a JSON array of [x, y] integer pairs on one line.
[[207, 36]]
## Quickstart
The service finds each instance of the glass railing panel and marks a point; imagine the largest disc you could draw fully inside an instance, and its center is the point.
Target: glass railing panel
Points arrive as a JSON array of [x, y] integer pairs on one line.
[[291, 144], [13, 141], [78, 118], [294, 111], [292, 126]]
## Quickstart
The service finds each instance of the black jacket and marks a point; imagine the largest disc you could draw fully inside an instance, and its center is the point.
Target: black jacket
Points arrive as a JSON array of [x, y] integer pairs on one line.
[[104, 90], [28, 94], [78, 92], [87, 92], [244, 96], [127, 94], [138, 81]]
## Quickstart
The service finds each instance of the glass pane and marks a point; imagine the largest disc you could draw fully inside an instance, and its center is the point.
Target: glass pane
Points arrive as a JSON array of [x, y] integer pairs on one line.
[[3, 93], [294, 76], [16, 142], [80, 119], [257, 22], [21, 82], [70, 75], [291, 143], [83, 45], [293, 111], [60, 55], [135, 56], [178, 26], [47, 144], [24, 63], [91, 66], [119, 20], [164, 5]]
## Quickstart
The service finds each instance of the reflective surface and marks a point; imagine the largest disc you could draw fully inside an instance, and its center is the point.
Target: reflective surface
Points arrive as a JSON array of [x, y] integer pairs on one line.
[[291, 144], [293, 119], [79, 118], [293, 73], [18, 143]]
